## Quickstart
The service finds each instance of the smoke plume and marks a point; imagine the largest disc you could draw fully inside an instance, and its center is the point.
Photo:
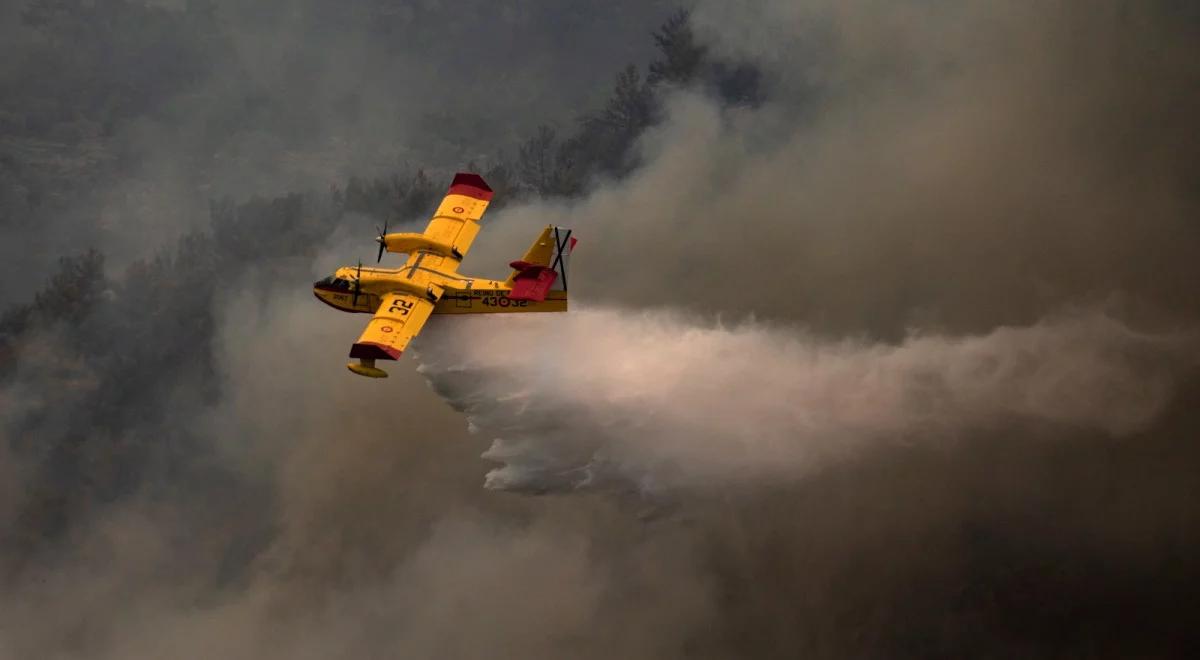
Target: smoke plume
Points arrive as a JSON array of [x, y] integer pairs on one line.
[[657, 401], [899, 362]]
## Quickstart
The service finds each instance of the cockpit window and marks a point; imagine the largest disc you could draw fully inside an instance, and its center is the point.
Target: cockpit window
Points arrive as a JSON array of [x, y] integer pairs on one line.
[[332, 282]]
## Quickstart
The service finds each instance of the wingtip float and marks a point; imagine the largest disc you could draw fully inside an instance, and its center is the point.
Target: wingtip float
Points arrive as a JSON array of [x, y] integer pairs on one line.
[[402, 299], [366, 367]]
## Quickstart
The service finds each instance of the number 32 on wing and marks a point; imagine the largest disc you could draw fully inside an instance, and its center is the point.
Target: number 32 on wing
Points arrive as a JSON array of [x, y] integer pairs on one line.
[[401, 307]]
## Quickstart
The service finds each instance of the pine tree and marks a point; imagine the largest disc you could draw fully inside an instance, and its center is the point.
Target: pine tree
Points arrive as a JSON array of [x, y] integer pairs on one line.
[[536, 160], [74, 289], [682, 57], [631, 107]]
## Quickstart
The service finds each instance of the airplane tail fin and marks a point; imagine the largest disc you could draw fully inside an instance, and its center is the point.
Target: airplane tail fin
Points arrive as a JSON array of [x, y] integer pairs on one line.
[[544, 267]]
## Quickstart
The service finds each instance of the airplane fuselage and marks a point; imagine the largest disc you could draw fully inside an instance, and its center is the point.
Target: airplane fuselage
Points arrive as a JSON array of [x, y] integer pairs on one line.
[[458, 294]]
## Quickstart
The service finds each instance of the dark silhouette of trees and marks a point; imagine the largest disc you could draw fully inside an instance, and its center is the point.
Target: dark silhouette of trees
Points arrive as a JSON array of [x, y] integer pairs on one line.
[[551, 165], [537, 161], [112, 357], [611, 133], [74, 289], [686, 63], [681, 57], [395, 198], [69, 295], [112, 361]]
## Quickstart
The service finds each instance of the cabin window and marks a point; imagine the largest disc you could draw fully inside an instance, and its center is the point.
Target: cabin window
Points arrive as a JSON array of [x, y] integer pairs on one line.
[[336, 283]]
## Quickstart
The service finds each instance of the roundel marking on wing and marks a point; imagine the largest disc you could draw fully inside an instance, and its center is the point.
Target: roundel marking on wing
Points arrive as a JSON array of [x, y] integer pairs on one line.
[[386, 328], [458, 209]]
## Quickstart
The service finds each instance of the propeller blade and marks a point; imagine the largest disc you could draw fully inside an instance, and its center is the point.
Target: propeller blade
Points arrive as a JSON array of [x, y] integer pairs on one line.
[[357, 284], [382, 240]]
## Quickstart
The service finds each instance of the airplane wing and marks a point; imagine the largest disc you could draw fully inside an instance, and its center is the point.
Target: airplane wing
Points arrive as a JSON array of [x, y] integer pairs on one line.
[[399, 318], [456, 222]]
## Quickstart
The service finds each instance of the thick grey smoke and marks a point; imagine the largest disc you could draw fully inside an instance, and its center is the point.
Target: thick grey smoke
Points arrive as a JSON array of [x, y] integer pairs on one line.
[[961, 168], [926, 386]]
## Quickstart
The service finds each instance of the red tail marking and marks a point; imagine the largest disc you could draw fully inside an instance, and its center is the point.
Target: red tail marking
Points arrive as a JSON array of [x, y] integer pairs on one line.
[[532, 283]]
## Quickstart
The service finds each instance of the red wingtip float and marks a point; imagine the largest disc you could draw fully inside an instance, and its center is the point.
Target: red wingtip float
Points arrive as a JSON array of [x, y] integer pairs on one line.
[[402, 299]]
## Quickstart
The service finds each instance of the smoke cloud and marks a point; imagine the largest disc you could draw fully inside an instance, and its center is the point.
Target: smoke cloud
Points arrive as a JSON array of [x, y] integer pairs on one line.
[[957, 169], [901, 362]]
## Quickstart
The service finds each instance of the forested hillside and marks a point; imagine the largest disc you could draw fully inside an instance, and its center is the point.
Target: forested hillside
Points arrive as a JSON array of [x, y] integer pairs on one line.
[[102, 362], [120, 120], [884, 341]]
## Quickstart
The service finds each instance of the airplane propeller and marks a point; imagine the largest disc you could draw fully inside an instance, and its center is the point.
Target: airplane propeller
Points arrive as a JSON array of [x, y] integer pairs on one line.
[[357, 283], [382, 240]]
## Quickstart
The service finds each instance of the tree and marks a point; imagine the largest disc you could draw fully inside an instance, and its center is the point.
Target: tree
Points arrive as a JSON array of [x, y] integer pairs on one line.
[[536, 160], [606, 140], [69, 296], [681, 56], [416, 199], [632, 106], [503, 181], [74, 289], [685, 62]]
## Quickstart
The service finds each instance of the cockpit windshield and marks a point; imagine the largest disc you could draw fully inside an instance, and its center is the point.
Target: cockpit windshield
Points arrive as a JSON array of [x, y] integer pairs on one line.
[[332, 282]]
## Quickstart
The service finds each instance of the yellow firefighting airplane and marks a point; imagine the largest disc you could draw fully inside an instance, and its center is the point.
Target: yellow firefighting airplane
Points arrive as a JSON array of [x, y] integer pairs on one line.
[[429, 283]]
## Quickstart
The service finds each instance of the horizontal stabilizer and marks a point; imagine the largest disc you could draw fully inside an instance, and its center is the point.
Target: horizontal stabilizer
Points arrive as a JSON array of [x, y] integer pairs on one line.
[[532, 282], [551, 251]]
